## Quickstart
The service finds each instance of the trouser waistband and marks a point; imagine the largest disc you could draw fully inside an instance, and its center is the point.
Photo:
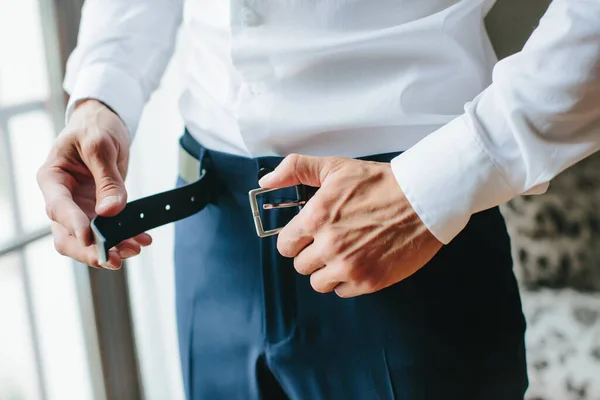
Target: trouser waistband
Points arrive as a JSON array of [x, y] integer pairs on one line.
[[238, 172]]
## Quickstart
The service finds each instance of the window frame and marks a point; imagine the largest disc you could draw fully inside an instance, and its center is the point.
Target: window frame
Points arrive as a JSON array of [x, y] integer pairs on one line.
[[102, 295]]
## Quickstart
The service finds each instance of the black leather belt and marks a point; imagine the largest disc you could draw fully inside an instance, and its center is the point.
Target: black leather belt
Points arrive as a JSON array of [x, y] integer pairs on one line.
[[163, 208]]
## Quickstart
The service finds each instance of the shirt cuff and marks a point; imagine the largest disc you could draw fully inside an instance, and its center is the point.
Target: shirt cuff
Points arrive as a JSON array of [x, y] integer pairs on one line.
[[111, 86], [448, 176]]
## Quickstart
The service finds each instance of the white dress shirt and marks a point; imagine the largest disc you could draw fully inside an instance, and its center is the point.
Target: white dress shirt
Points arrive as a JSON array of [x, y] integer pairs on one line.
[[360, 77]]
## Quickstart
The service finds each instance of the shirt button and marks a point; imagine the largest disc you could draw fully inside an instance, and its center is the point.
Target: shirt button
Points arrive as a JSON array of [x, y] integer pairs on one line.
[[257, 88], [249, 17]]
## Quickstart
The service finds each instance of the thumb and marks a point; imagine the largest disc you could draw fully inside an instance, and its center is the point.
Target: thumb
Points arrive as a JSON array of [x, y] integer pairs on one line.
[[111, 196], [296, 169]]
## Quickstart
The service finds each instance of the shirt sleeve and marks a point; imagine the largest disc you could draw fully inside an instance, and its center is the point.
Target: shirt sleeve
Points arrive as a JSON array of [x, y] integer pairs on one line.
[[122, 51], [540, 115]]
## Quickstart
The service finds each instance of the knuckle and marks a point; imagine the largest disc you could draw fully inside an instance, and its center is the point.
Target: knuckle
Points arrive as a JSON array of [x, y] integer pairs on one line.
[[92, 262], [66, 139], [108, 184], [293, 159], [70, 132], [290, 239], [326, 251], [334, 163], [285, 247], [331, 244], [317, 285], [51, 211], [369, 283], [317, 288], [355, 273], [342, 294], [316, 219], [334, 160], [328, 237], [60, 246], [296, 164], [289, 163], [301, 268], [39, 176]]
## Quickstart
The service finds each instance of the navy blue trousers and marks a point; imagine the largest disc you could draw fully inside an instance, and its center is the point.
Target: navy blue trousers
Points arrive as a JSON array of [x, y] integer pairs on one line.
[[250, 327]]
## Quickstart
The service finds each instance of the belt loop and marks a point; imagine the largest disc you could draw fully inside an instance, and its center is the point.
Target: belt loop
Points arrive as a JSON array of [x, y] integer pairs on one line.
[[201, 157]]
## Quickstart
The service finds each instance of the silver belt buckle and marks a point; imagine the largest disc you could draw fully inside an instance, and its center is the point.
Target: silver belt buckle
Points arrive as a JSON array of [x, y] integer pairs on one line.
[[253, 195]]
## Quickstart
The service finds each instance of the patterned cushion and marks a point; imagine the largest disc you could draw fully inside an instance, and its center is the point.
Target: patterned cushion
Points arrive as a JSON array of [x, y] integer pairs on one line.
[[556, 236], [556, 244], [563, 344]]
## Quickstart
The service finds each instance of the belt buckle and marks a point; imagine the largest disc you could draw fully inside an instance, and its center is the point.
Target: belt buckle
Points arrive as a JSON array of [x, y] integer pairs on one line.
[[253, 195]]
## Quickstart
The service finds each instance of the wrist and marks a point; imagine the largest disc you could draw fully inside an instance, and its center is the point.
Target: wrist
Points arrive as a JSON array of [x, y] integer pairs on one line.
[[88, 112], [91, 104]]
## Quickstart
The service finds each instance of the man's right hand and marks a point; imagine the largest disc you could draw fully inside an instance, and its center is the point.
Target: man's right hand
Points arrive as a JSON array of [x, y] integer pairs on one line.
[[82, 177]]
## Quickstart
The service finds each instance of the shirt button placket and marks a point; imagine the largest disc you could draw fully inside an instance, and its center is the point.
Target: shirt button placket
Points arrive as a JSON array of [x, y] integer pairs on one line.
[[257, 88], [249, 17]]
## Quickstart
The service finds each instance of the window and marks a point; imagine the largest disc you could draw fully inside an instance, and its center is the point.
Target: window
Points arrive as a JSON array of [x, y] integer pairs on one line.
[[45, 352], [55, 316]]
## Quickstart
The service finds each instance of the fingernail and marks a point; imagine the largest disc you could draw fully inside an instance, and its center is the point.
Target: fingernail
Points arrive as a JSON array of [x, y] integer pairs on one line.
[[111, 267], [266, 178], [126, 253], [108, 201]]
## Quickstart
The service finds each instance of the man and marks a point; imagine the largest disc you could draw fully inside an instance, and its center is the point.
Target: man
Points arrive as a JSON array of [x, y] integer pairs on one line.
[[357, 297]]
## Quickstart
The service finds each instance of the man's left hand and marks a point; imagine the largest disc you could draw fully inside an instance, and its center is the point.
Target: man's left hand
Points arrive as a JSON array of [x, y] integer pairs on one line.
[[358, 234]]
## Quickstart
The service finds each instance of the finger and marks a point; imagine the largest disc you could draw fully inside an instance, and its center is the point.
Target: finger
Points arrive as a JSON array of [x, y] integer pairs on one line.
[[304, 227], [309, 260], [101, 158], [297, 169], [326, 279], [114, 261], [128, 248], [69, 246], [347, 290], [293, 238], [143, 239], [56, 187]]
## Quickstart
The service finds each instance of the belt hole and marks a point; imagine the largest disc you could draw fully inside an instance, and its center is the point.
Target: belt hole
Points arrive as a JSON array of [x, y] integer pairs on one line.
[[142, 215], [168, 207], [193, 199]]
